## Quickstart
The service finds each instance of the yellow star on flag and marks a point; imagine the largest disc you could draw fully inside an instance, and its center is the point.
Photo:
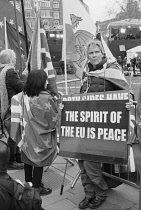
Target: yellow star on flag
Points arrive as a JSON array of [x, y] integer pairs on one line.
[[54, 119], [47, 105]]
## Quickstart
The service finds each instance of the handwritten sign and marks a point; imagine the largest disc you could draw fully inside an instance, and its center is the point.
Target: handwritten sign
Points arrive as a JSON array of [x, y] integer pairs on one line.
[[95, 127]]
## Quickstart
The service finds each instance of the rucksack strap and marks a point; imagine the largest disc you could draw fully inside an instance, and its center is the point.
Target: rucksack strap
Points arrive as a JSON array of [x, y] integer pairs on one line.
[[18, 190]]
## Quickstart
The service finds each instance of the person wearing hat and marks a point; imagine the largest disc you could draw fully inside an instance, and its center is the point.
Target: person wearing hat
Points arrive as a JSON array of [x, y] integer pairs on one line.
[[100, 74]]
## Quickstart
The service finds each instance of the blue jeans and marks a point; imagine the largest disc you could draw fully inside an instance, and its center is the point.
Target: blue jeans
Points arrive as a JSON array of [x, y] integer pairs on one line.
[[92, 179]]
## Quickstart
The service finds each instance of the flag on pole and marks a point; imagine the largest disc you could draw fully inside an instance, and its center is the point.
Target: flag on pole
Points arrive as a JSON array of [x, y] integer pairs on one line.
[[79, 29], [13, 44], [39, 55], [106, 48], [7, 10]]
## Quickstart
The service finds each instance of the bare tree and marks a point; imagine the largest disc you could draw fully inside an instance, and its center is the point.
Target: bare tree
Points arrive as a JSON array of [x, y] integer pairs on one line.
[[128, 9]]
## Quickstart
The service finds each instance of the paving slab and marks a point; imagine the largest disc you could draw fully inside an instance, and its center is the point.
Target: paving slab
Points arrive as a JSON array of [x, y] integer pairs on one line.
[[124, 197]]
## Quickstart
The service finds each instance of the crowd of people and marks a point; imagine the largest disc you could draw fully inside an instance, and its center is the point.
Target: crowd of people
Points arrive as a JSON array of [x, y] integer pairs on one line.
[[127, 65], [34, 146], [126, 37]]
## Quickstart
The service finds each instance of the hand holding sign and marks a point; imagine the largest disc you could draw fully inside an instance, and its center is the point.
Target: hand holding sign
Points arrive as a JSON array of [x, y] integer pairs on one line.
[[95, 129]]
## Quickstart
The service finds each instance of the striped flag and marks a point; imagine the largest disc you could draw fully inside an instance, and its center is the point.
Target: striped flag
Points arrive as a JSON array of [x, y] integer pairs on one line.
[[39, 55], [132, 138]]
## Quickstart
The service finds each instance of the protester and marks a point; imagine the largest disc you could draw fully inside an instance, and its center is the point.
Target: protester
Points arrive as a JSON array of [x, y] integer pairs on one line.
[[95, 187], [10, 84], [120, 61], [39, 113], [5, 198], [133, 61], [139, 64], [13, 193]]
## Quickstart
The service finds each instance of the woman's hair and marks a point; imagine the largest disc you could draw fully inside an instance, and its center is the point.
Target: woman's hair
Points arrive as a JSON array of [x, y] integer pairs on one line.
[[95, 42], [35, 83], [7, 56]]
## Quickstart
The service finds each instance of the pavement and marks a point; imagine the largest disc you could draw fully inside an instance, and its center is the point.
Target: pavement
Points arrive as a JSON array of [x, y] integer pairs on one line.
[[124, 197]]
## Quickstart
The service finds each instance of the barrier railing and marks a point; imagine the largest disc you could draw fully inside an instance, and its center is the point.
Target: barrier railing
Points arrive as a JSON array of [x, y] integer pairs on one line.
[[73, 86]]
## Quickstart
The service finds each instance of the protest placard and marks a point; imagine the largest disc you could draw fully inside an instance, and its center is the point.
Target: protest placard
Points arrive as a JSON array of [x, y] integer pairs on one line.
[[95, 126]]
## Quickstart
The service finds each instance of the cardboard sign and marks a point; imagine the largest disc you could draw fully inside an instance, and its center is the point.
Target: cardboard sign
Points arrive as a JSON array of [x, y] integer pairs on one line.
[[95, 127]]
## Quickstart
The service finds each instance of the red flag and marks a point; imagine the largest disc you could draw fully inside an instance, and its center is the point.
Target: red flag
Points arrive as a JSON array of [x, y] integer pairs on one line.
[[39, 55]]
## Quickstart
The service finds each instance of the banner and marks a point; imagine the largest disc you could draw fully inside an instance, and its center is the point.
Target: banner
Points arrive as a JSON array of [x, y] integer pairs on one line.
[[80, 29], [95, 127]]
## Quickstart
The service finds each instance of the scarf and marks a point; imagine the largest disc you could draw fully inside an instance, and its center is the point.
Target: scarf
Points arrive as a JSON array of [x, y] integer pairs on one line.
[[3, 90]]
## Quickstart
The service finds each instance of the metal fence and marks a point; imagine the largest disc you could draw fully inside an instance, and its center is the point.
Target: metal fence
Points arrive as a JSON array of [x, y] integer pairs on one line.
[[120, 173], [72, 85]]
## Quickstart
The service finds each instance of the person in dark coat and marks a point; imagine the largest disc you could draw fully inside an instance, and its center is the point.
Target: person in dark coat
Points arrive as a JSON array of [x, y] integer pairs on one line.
[[10, 84], [139, 64], [5, 198], [9, 196], [133, 61], [120, 61], [95, 187]]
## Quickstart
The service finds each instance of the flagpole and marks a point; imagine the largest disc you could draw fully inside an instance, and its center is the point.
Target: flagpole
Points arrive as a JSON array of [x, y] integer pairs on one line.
[[25, 31], [64, 50], [18, 38], [5, 34]]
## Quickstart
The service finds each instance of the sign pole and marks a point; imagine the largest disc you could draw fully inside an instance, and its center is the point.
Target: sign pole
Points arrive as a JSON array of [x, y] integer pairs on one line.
[[18, 38], [64, 51], [5, 34], [24, 24]]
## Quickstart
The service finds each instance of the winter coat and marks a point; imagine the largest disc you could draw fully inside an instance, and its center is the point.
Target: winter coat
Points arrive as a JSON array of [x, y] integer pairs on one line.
[[10, 84], [14, 83], [97, 84]]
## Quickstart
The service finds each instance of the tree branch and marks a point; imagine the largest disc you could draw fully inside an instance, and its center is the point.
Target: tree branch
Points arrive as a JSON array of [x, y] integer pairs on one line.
[[122, 8]]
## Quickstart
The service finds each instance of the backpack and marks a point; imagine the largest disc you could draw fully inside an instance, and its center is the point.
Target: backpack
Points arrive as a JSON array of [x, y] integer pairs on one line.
[[22, 197]]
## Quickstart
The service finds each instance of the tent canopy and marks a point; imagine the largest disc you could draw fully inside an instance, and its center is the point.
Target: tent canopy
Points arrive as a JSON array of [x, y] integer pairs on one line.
[[134, 52], [135, 49], [125, 23]]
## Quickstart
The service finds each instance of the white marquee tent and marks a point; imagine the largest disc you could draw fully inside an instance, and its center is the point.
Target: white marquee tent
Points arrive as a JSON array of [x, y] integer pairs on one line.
[[134, 52]]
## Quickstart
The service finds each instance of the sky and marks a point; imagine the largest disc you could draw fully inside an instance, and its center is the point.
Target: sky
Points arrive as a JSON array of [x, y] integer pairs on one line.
[[98, 8]]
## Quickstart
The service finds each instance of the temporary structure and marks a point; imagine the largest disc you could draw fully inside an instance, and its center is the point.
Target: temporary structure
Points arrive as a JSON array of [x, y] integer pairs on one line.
[[134, 52]]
